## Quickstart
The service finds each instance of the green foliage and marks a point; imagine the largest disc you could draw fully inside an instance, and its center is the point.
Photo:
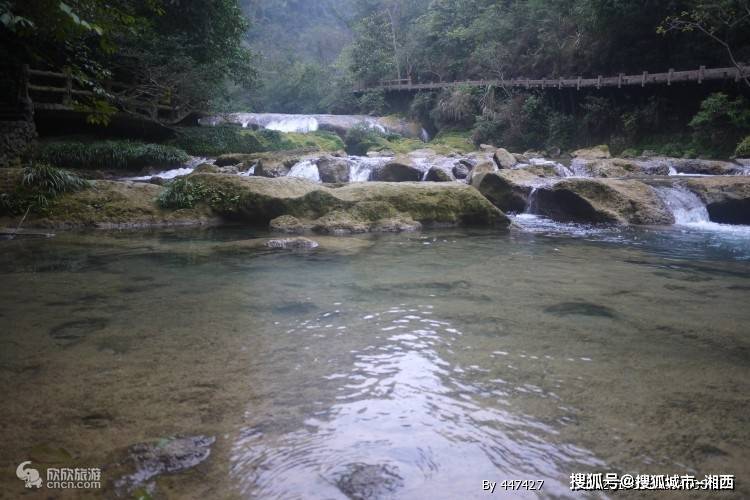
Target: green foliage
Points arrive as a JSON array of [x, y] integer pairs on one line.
[[361, 138], [187, 193], [40, 184], [721, 122], [215, 141], [373, 103], [743, 148], [455, 107], [115, 155]]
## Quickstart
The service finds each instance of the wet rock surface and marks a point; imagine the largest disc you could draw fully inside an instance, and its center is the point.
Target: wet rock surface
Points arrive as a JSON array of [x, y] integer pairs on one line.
[[293, 244], [400, 169], [333, 169], [145, 461], [368, 482]]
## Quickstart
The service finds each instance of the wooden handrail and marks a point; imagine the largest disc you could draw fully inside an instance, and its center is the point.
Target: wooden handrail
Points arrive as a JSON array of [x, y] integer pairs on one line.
[[699, 76]]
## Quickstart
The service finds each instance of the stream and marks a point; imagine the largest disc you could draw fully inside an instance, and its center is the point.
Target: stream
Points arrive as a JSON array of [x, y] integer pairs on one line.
[[401, 366]]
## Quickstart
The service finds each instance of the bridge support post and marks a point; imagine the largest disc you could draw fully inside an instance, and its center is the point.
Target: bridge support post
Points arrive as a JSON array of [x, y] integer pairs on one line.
[[68, 95], [669, 76], [701, 73], [599, 82], [643, 78], [578, 84]]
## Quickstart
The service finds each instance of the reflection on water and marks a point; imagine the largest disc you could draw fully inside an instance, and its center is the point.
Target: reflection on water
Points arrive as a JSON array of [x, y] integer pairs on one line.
[[412, 366]]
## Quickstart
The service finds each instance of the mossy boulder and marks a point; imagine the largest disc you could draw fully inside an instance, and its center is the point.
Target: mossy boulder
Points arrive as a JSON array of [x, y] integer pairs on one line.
[[400, 169], [508, 190], [484, 167], [235, 159], [206, 168], [260, 200], [437, 174], [274, 168], [727, 198], [602, 200]]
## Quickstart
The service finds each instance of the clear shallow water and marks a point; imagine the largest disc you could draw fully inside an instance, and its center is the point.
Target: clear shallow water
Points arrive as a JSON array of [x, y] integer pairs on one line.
[[405, 366]]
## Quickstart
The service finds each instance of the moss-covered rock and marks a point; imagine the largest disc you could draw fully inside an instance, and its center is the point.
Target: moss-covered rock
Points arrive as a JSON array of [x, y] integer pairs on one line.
[[602, 200], [110, 204], [484, 167], [507, 189], [261, 200], [437, 174]]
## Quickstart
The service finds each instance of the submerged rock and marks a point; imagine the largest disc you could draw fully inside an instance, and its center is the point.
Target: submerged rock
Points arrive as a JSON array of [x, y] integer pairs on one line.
[[368, 482], [293, 244], [144, 461], [602, 200]]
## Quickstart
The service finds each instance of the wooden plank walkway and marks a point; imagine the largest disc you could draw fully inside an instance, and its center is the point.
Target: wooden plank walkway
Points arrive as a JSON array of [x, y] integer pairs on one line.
[[622, 80]]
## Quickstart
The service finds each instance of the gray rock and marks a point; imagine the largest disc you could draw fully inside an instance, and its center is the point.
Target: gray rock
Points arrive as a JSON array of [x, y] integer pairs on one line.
[[400, 169], [437, 174], [503, 159], [333, 170], [462, 169], [367, 482]]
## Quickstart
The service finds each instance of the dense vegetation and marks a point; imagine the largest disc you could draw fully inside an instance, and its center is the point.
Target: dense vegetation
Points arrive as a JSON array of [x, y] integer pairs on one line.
[[113, 155]]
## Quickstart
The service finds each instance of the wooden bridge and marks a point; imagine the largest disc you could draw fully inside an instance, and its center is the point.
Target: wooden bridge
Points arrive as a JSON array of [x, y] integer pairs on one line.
[[645, 78], [57, 91]]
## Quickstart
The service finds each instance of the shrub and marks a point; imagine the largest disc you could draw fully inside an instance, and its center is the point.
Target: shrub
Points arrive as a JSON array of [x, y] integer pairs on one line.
[[361, 138], [215, 141], [743, 148], [455, 107], [187, 193], [120, 155], [373, 102], [721, 122]]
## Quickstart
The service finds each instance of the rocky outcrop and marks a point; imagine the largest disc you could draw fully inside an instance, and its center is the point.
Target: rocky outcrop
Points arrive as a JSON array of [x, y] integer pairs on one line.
[[437, 174], [374, 204], [593, 153], [235, 159], [705, 167], [16, 138], [506, 189], [602, 200], [206, 168], [619, 167], [727, 199], [333, 170], [400, 169], [504, 159]]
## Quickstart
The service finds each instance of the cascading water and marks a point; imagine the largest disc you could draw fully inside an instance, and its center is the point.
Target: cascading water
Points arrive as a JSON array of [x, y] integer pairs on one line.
[[686, 207], [294, 124], [361, 167], [175, 172], [306, 169]]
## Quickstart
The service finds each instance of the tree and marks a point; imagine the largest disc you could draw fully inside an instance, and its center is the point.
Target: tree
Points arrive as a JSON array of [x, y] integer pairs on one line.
[[722, 21]]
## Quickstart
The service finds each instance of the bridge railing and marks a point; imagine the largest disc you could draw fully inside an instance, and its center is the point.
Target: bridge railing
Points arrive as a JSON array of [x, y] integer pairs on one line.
[[61, 89], [642, 79]]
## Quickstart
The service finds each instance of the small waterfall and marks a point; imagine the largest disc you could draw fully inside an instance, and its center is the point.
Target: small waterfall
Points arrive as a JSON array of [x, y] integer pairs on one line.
[[672, 170], [686, 207], [175, 172], [531, 202], [424, 135], [306, 169], [361, 167], [249, 172]]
